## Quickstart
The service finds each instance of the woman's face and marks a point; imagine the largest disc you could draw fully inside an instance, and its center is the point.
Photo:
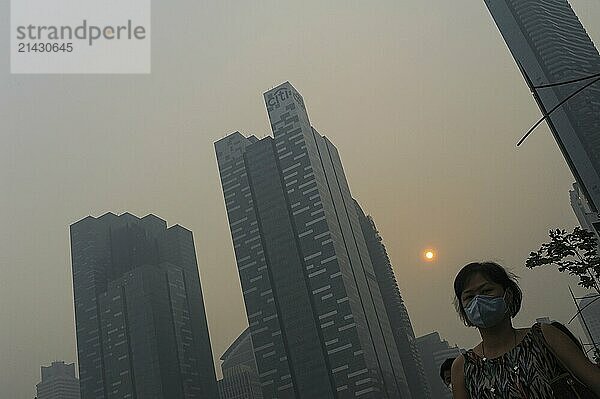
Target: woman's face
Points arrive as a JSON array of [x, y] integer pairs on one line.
[[479, 285]]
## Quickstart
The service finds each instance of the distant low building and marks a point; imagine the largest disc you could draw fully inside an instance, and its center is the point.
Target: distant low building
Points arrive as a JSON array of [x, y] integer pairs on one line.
[[434, 350], [240, 375], [58, 382]]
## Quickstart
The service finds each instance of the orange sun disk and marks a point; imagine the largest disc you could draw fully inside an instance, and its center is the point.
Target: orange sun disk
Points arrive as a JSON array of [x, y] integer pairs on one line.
[[429, 255]]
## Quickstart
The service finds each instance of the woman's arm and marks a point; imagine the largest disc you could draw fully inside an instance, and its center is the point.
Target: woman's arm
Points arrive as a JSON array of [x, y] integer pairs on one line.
[[573, 358], [458, 378]]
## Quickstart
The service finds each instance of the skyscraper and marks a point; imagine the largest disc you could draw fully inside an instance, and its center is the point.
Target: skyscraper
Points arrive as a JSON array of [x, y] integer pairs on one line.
[[240, 375], [317, 318], [550, 45], [585, 216], [141, 327], [58, 382], [396, 310], [590, 322], [434, 351]]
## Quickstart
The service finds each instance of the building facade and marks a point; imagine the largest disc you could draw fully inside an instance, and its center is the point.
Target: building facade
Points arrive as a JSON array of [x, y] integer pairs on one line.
[[240, 374], [550, 45], [434, 351], [139, 312], [588, 219], [316, 315], [58, 382], [395, 308], [239, 383], [589, 318]]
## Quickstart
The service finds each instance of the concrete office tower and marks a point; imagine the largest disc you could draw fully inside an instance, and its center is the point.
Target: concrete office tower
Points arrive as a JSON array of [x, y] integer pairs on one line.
[[551, 45], [434, 351], [317, 318], [58, 382], [240, 375], [141, 327], [396, 310], [590, 322]]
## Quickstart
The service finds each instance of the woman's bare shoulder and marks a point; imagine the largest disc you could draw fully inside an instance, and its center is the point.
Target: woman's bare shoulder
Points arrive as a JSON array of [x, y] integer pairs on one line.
[[458, 364], [458, 378]]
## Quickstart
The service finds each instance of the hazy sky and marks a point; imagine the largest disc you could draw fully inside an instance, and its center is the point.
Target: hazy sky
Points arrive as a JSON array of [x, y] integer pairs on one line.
[[422, 99]]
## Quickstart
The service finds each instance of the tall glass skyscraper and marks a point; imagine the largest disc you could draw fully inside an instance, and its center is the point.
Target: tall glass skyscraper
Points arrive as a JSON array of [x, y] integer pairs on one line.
[[141, 327], [550, 45], [395, 308], [317, 318]]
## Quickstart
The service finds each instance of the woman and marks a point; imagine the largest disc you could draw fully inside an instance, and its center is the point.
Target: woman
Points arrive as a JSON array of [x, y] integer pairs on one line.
[[509, 363]]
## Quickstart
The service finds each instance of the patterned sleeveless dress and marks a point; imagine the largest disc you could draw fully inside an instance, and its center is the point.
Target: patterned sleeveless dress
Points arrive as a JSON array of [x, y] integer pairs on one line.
[[522, 373]]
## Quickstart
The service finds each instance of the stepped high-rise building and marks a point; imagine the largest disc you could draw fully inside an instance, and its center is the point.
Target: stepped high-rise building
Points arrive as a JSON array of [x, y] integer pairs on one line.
[[58, 382], [318, 322], [141, 326], [396, 310], [550, 45]]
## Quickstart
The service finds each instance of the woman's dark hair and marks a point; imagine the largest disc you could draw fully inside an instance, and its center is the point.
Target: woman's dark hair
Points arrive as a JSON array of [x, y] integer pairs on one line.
[[494, 273], [447, 365]]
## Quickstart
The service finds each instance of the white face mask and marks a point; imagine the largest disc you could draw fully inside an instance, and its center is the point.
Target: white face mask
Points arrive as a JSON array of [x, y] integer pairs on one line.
[[486, 311]]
